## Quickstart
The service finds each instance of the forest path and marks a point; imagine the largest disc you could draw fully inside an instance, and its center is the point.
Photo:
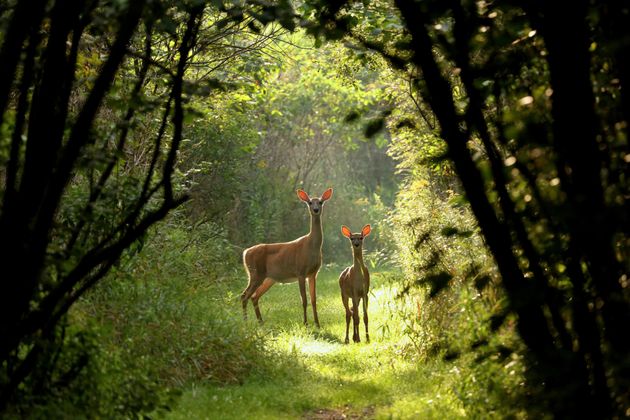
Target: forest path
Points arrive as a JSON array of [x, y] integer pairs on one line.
[[314, 375]]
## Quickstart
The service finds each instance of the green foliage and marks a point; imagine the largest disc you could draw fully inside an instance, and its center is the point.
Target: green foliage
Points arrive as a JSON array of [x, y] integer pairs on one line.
[[88, 377], [162, 320], [453, 283], [169, 306], [282, 128], [72, 203], [452, 279], [260, 112]]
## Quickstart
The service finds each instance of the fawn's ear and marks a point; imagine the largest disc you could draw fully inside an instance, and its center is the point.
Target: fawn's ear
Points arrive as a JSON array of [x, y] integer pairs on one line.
[[366, 230], [327, 194], [303, 196], [345, 231]]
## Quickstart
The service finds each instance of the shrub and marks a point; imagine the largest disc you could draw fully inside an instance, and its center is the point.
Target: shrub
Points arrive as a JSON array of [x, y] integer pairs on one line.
[[161, 320], [453, 280]]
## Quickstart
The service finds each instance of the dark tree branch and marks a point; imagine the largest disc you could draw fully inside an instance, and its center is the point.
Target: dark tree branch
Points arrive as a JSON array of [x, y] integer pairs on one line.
[[95, 193], [430, 124], [192, 29], [26, 15], [105, 258], [463, 33], [20, 119], [532, 323], [575, 130]]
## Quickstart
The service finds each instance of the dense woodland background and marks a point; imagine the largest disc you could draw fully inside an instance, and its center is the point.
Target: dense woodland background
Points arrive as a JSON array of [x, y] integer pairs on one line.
[[144, 144]]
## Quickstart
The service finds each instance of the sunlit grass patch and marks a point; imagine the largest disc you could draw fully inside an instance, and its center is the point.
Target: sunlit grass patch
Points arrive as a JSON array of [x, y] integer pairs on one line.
[[312, 347]]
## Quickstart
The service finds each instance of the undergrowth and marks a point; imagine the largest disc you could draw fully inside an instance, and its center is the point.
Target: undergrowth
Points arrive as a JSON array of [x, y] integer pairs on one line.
[[166, 318]]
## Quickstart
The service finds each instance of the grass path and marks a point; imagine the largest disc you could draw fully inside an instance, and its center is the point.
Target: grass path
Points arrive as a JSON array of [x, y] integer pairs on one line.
[[314, 375]]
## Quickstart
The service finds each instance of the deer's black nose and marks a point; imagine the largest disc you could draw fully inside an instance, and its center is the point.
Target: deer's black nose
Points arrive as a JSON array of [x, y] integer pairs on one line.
[[315, 210]]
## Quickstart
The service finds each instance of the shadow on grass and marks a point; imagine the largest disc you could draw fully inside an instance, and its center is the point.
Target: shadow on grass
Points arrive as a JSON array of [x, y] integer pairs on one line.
[[326, 336]]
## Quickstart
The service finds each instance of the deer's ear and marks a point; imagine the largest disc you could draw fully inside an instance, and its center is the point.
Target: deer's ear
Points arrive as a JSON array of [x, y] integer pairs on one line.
[[303, 196], [327, 194], [366, 230], [345, 231]]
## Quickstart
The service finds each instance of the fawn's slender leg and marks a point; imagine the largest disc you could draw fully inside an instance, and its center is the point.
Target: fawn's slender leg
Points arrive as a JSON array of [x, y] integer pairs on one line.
[[302, 282], [355, 320], [266, 284], [344, 299], [312, 280], [365, 317]]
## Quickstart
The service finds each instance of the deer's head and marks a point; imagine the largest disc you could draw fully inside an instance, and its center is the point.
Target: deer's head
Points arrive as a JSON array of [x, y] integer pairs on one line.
[[315, 205], [356, 239]]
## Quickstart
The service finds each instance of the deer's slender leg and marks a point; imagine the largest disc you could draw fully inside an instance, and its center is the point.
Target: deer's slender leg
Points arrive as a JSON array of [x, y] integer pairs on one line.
[[244, 302], [266, 284], [302, 282], [312, 280], [344, 299], [355, 320], [365, 317], [248, 292]]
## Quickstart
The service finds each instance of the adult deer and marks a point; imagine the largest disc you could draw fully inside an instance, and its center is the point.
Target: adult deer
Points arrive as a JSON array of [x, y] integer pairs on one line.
[[354, 282], [286, 262]]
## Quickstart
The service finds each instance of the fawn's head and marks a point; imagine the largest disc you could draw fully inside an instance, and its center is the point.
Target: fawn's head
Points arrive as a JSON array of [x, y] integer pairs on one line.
[[315, 205], [356, 239]]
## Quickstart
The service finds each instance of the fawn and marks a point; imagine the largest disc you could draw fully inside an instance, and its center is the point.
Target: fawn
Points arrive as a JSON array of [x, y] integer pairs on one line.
[[354, 282]]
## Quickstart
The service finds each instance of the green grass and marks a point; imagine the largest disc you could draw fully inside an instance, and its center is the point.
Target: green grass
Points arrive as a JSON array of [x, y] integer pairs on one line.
[[306, 370]]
